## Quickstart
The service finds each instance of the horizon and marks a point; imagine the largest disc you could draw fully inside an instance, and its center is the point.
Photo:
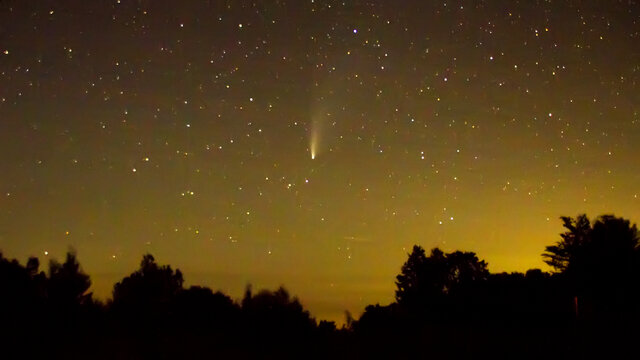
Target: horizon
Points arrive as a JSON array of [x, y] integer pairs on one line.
[[323, 306]]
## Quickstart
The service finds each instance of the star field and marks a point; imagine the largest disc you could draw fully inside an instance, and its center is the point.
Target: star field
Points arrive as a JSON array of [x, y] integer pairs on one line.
[[312, 143]]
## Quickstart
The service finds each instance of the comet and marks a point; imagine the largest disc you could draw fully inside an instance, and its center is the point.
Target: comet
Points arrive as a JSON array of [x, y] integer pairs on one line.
[[314, 140], [312, 147]]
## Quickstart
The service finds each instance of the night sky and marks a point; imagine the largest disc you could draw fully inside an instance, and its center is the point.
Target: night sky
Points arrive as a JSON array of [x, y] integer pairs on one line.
[[311, 143]]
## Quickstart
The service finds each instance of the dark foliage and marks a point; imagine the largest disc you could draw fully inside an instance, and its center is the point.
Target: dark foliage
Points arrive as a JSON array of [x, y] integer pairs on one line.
[[148, 292], [427, 284], [447, 305], [67, 285], [601, 264]]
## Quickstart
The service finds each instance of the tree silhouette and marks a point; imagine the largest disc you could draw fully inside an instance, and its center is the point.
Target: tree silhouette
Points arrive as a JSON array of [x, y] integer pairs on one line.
[[563, 254], [276, 309], [464, 269], [276, 324], [67, 284], [427, 280], [150, 287], [601, 262], [19, 289], [447, 304], [410, 281], [202, 309]]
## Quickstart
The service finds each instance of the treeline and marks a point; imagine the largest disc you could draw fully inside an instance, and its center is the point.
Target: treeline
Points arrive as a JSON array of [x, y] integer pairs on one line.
[[448, 305]]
